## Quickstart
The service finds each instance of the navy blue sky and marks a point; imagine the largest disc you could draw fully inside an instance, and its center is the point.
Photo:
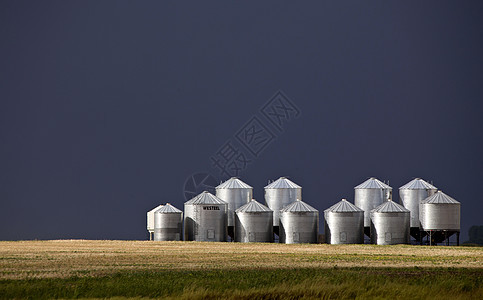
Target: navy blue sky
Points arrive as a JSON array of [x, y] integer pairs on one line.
[[107, 107]]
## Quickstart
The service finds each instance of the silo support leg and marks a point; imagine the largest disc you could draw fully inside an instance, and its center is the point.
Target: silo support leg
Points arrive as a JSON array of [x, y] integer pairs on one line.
[[457, 238]]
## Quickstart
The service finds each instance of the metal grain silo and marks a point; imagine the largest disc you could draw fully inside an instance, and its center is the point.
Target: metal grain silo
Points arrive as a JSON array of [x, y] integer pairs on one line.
[[299, 223], [440, 212], [168, 223], [370, 194], [205, 218], [236, 193], [150, 221], [344, 224], [280, 193], [390, 224], [254, 223], [410, 196]]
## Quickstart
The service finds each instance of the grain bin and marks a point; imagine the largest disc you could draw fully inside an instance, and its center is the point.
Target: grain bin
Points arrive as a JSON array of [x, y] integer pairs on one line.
[[168, 223], [410, 196], [344, 224], [390, 224], [205, 218], [150, 221], [370, 194], [299, 223], [279, 194], [440, 212], [254, 223], [236, 193]]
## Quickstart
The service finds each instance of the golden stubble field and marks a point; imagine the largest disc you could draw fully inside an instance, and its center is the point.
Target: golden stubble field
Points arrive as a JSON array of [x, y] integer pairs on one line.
[[65, 258]]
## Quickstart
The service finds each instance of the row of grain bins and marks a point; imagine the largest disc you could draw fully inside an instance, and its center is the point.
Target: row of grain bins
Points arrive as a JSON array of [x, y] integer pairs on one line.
[[423, 211], [234, 215]]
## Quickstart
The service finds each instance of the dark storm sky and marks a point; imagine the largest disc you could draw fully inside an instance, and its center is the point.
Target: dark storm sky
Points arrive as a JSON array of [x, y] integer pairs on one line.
[[107, 107]]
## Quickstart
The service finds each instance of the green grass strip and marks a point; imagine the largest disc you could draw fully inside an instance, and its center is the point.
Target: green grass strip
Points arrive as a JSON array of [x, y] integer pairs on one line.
[[340, 283]]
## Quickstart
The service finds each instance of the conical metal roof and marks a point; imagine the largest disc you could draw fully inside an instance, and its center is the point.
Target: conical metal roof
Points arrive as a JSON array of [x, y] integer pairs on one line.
[[205, 198], [298, 206], [373, 183], [233, 183], [283, 183], [156, 208], [253, 206], [389, 207], [343, 206], [440, 197], [418, 184], [168, 209]]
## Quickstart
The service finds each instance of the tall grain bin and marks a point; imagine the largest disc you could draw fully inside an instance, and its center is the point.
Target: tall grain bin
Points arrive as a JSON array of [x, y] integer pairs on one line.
[[168, 223], [254, 223], [236, 193], [390, 224], [410, 196], [440, 216], [205, 218], [280, 193], [150, 221], [299, 223], [344, 224], [368, 195]]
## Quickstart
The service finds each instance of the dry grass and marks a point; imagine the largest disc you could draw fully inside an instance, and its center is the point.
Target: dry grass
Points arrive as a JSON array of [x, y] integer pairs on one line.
[[66, 258]]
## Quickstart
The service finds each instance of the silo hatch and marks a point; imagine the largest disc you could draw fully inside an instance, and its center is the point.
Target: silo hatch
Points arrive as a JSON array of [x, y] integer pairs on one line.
[[211, 234], [343, 236], [388, 237]]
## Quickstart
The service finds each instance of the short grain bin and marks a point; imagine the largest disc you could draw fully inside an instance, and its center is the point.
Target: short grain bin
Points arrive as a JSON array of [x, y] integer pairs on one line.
[[254, 223], [440, 212], [440, 217], [299, 223], [205, 218], [344, 224], [168, 223], [390, 224]]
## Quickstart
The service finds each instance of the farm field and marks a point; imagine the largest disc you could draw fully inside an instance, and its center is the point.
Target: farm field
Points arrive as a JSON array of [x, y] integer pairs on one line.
[[100, 269]]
